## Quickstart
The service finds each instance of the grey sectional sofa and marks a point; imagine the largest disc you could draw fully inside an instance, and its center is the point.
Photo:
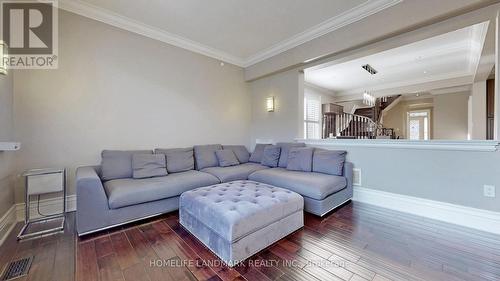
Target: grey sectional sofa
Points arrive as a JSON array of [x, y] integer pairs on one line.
[[108, 195]]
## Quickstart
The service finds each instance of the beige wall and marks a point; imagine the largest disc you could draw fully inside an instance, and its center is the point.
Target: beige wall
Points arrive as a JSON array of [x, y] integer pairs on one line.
[[119, 90], [478, 99], [450, 116], [286, 122], [396, 116], [6, 158]]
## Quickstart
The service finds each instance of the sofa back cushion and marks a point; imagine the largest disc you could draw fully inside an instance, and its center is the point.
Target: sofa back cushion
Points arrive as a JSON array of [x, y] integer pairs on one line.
[[240, 151], [178, 159], [148, 166], [271, 156], [300, 159], [117, 164], [226, 158], [285, 147], [329, 161], [204, 155], [257, 153]]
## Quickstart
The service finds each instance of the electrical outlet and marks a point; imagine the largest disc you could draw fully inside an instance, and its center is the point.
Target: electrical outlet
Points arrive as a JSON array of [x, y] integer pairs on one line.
[[489, 190], [356, 177]]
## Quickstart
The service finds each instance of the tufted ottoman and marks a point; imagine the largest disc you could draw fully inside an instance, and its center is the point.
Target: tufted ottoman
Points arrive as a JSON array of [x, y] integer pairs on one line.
[[238, 219]]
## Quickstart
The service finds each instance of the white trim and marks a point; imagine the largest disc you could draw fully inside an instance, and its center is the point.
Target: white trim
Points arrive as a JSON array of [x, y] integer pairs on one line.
[[467, 145], [126, 23], [47, 206], [7, 223], [460, 215], [353, 15]]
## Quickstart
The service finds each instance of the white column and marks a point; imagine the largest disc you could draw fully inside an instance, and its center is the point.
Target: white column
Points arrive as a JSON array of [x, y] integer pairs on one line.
[[496, 122]]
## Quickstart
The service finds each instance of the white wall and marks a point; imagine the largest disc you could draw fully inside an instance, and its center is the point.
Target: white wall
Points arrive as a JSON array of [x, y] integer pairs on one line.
[[325, 95], [286, 122], [119, 90], [478, 106], [6, 158]]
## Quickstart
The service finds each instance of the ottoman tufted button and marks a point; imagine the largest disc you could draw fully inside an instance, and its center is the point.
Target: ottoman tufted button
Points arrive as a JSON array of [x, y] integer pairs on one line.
[[236, 200], [254, 201], [232, 208]]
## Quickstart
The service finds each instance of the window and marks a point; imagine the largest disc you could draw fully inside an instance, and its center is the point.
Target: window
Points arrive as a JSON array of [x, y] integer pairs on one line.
[[312, 117], [418, 125]]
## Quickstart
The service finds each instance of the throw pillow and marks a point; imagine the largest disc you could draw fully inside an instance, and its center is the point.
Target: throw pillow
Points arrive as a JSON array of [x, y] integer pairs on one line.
[[271, 156], [285, 147], [329, 161], [204, 155], [226, 158], [117, 164], [300, 159], [240, 151], [149, 165], [178, 159], [257, 153]]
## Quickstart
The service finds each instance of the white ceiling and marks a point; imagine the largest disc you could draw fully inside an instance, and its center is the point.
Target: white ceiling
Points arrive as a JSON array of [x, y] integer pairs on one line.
[[447, 57], [242, 32]]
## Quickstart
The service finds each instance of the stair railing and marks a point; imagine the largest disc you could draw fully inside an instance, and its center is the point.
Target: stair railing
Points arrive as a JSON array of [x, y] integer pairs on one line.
[[349, 125]]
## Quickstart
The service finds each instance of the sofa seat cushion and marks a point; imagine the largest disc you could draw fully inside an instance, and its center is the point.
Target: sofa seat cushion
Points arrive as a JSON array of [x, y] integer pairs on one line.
[[232, 173], [127, 192], [235, 209], [313, 185]]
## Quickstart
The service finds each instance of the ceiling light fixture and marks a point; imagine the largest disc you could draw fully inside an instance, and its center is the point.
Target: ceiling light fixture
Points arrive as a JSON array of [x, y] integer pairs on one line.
[[368, 99]]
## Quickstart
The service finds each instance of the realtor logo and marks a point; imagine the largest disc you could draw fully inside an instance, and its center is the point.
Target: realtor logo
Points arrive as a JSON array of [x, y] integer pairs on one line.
[[29, 29]]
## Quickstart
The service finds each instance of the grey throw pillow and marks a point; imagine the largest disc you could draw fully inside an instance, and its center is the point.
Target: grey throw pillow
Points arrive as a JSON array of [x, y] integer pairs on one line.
[[240, 151], [257, 153], [148, 165], [329, 161], [226, 158], [271, 156], [285, 147], [117, 164], [204, 155], [300, 159], [178, 159]]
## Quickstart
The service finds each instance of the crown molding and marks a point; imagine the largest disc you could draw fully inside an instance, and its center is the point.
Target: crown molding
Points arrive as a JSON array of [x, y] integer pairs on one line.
[[126, 23], [319, 89], [353, 15]]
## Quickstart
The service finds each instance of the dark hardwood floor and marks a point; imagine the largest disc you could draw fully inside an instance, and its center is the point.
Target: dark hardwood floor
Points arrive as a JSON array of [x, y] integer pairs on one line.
[[357, 242]]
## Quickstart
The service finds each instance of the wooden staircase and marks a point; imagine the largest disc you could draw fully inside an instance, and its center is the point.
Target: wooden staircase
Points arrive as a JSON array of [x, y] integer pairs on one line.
[[363, 124]]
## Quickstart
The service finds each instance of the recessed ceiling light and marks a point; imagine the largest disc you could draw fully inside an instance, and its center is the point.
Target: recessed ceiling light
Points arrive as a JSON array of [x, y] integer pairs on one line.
[[425, 71], [419, 58], [221, 63]]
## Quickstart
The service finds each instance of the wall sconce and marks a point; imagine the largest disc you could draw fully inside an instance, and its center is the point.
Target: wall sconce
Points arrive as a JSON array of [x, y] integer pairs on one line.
[[270, 104], [3, 55]]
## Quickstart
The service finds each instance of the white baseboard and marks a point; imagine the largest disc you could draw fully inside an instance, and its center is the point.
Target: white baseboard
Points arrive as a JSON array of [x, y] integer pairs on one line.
[[47, 206], [460, 215], [7, 223]]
